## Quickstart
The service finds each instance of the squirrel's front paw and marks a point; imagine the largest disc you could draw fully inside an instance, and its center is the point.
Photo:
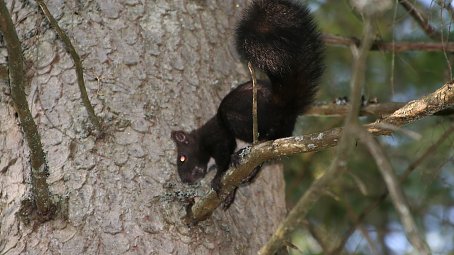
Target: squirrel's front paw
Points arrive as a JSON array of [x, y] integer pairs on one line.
[[252, 176], [216, 184], [228, 201], [239, 155]]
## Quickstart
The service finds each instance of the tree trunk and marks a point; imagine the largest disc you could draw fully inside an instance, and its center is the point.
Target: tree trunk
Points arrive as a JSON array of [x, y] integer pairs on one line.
[[150, 67]]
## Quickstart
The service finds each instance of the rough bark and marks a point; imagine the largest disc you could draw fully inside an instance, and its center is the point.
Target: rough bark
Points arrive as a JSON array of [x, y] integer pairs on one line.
[[150, 66]]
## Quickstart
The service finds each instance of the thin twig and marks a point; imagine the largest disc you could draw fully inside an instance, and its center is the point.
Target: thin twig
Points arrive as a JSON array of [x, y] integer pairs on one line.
[[359, 73], [397, 195], [421, 19], [360, 219], [393, 52], [429, 152], [320, 238], [445, 39], [77, 63], [354, 217], [446, 5], [255, 132], [434, 34]]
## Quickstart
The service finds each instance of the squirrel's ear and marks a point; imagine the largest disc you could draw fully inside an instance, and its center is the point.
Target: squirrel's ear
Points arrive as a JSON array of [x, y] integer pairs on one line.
[[180, 137]]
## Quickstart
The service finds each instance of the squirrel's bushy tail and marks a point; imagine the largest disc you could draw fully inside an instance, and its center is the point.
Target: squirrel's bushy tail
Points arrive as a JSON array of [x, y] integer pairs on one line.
[[281, 38]]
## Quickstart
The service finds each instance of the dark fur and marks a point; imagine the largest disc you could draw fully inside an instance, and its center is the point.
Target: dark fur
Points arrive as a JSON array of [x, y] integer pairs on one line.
[[280, 38]]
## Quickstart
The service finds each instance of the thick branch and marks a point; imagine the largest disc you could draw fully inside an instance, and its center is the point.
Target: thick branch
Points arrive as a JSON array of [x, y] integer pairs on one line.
[[77, 63], [256, 155], [41, 195]]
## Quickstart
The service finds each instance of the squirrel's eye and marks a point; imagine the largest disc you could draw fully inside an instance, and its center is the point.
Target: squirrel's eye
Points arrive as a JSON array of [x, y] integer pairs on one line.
[[182, 158]]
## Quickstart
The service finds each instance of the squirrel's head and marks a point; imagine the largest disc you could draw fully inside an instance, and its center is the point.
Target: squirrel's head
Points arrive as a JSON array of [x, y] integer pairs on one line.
[[191, 160]]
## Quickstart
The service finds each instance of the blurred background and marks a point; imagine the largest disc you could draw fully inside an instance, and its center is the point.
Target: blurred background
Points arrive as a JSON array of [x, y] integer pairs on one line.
[[355, 216]]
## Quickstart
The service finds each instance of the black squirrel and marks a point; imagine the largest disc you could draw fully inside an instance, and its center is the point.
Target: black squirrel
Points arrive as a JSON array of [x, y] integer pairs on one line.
[[280, 38]]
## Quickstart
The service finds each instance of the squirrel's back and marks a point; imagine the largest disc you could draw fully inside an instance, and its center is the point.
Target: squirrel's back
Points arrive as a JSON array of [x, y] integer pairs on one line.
[[281, 38]]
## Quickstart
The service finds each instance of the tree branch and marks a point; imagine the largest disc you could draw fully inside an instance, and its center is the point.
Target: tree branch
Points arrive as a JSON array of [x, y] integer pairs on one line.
[[41, 195], [386, 46], [445, 96], [343, 150], [446, 5], [250, 157], [421, 19], [429, 151], [255, 128], [77, 63], [397, 195], [354, 218], [376, 109]]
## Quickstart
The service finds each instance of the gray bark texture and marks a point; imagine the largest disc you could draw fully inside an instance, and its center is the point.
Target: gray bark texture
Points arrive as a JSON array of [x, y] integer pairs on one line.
[[150, 67]]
